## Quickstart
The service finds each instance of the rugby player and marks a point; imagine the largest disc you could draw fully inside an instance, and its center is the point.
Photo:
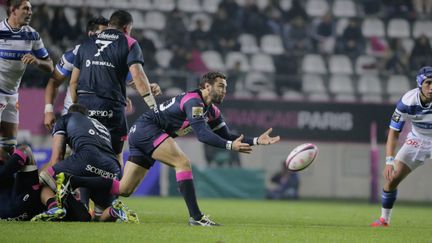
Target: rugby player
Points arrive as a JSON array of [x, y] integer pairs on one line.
[[415, 107], [98, 77], [152, 136], [20, 45]]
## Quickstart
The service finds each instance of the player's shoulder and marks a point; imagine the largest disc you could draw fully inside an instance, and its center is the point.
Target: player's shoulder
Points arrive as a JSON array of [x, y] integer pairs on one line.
[[410, 98]]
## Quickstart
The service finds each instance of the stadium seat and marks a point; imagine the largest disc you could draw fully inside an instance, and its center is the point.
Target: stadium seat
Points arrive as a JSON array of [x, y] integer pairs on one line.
[[398, 28], [341, 84], [213, 60], [319, 97], [365, 64], [267, 94], [396, 86], [369, 84], [262, 62], [164, 5], [371, 98], [232, 57], [96, 4], [292, 95], [119, 4], [258, 82], [106, 12], [272, 44], [285, 4], [408, 44], [189, 6], [70, 14], [139, 21], [344, 8], [207, 21], [163, 57], [316, 8], [248, 43], [422, 28], [314, 63], [241, 2], [142, 4], [74, 3], [341, 24], [3, 14], [340, 64], [155, 37], [55, 3], [210, 6], [345, 98], [373, 27], [313, 83], [154, 20], [262, 4]]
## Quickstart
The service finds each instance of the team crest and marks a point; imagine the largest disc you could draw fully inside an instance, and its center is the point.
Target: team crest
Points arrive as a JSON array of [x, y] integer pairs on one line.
[[197, 112], [396, 117]]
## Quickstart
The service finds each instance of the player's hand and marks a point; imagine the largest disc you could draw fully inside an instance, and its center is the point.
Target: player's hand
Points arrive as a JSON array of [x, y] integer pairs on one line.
[[49, 120], [155, 89], [265, 139], [129, 105], [241, 147], [388, 172], [29, 59]]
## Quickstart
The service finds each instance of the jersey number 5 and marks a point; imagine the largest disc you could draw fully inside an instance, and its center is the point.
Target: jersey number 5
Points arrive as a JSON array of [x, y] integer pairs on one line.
[[101, 44]]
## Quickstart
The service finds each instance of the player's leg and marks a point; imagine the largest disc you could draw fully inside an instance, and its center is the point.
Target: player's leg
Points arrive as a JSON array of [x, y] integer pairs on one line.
[[9, 118], [168, 152]]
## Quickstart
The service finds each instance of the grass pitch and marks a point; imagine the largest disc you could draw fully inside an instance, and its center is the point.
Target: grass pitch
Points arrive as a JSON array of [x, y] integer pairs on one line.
[[165, 220]]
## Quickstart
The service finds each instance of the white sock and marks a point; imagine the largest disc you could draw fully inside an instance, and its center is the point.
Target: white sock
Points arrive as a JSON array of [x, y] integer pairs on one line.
[[386, 214]]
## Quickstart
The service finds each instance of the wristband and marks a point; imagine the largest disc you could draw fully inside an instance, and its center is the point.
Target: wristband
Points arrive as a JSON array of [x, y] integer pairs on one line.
[[149, 100], [255, 141], [228, 145], [390, 160], [49, 108]]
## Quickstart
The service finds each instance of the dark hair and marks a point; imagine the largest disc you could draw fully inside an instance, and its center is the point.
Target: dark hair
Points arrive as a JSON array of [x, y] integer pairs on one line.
[[93, 23], [210, 78], [78, 108], [120, 18], [13, 4]]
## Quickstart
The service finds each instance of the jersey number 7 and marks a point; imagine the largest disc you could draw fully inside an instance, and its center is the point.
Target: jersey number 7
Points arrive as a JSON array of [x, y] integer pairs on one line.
[[102, 44]]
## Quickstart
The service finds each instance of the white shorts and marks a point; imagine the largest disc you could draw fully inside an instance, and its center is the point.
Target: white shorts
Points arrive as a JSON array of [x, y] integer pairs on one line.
[[415, 151], [9, 108]]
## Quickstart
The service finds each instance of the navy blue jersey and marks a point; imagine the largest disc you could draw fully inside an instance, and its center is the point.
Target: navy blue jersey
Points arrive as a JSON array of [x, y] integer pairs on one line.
[[186, 112], [82, 132], [104, 62]]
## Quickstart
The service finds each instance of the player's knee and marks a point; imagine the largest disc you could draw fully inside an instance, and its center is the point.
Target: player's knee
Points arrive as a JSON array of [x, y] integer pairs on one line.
[[183, 163], [28, 152]]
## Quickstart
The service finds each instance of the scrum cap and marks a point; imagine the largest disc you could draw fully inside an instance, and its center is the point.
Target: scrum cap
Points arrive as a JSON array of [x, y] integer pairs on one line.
[[423, 74]]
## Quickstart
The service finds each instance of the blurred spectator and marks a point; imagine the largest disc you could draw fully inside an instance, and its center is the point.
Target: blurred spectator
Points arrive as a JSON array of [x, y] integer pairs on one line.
[[176, 33], [295, 11], [296, 36], [287, 72], [232, 9], [62, 29], [82, 16], [224, 32], [274, 18], [423, 8], [234, 76], [43, 20], [397, 60], [352, 40], [179, 58], [371, 7], [200, 38], [399, 9], [421, 55], [254, 22], [148, 50], [195, 63], [325, 34], [287, 184]]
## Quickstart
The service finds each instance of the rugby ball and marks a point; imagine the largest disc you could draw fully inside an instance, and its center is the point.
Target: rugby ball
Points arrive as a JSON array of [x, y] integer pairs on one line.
[[301, 157]]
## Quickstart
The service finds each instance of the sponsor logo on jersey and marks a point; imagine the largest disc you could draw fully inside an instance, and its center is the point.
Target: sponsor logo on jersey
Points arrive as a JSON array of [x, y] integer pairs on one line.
[[99, 63], [197, 112], [107, 36], [98, 113], [21, 217], [396, 117], [26, 197], [100, 172]]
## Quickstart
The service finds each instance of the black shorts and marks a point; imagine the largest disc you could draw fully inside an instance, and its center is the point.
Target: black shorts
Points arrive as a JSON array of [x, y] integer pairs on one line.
[[111, 114], [23, 201]]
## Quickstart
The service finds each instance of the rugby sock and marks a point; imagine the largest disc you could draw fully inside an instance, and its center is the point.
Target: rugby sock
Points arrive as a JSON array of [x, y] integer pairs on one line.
[[388, 199], [12, 165], [51, 202], [187, 189]]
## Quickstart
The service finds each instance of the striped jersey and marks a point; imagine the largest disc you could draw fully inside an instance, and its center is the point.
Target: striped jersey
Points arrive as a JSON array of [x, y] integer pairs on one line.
[[14, 44], [410, 108]]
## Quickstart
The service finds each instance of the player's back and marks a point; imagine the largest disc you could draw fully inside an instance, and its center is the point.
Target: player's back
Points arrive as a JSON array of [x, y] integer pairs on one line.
[[83, 132], [104, 62]]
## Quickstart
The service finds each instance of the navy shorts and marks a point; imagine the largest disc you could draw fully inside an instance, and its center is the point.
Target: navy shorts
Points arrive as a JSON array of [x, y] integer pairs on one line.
[[111, 114], [144, 137], [23, 201], [92, 163]]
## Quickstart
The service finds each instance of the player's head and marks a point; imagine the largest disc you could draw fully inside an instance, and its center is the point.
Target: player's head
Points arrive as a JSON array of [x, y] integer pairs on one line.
[[20, 11], [423, 74], [121, 20], [215, 83], [78, 108], [96, 25]]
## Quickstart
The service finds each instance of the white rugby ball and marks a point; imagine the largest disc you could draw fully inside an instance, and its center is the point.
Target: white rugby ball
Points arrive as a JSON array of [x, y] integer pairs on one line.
[[301, 157]]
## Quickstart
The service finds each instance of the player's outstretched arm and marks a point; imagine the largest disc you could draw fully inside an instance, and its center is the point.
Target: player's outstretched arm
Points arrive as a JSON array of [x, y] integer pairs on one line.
[[58, 149], [51, 91], [142, 84], [238, 145], [44, 64], [73, 84], [266, 139], [392, 140]]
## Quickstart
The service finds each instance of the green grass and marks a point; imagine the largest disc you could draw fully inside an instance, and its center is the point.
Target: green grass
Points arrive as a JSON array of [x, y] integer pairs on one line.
[[165, 220]]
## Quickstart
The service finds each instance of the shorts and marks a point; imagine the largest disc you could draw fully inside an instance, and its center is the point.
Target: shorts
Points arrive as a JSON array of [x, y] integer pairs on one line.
[[415, 151], [23, 202], [144, 137], [111, 114], [92, 163], [9, 108]]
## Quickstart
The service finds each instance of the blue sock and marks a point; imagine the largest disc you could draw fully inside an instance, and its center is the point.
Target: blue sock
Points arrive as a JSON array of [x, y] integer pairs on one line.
[[388, 198]]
